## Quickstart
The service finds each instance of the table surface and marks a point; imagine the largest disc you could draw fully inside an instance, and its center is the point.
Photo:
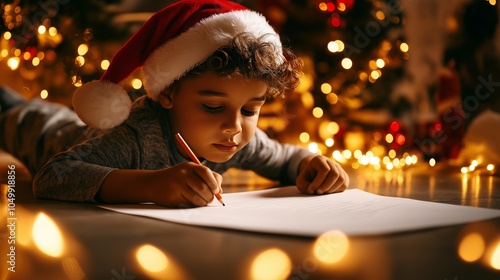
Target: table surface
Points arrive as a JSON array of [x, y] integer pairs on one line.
[[99, 244]]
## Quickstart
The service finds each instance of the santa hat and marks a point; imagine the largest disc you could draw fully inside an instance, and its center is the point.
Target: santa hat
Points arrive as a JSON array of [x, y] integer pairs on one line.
[[172, 42]]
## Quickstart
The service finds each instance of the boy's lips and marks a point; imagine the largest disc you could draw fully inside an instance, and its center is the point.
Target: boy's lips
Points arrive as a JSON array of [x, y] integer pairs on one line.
[[226, 147]]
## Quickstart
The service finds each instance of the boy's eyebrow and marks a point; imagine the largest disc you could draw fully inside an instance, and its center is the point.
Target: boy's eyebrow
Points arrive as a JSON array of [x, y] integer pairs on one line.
[[223, 94]]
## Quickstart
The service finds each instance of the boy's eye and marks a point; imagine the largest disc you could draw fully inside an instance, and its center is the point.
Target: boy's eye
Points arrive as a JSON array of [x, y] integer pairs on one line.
[[249, 113], [212, 109]]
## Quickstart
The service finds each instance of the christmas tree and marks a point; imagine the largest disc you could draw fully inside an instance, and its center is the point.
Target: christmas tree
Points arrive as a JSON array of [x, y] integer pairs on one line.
[[53, 48], [354, 53]]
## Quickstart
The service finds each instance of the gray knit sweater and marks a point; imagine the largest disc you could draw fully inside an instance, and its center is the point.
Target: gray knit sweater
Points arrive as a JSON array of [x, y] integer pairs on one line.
[[143, 141]]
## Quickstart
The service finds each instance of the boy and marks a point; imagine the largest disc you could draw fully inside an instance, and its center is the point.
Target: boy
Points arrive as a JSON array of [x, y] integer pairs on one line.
[[208, 68]]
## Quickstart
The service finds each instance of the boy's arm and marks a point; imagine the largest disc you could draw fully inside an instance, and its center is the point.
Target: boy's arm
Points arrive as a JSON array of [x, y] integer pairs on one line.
[[273, 160], [186, 184], [77, 174]]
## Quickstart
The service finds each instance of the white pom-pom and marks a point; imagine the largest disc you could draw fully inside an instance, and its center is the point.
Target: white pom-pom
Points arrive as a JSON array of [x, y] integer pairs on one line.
[[101, 104]]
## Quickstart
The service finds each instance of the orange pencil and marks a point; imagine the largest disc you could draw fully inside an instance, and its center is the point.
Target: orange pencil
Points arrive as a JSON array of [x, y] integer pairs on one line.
[[194, 158]]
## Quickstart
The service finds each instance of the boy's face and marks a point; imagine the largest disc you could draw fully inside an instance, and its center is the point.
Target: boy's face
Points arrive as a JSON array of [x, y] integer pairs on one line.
[[217, 116]]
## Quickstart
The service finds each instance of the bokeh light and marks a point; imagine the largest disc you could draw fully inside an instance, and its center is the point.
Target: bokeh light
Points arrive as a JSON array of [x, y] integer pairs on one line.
[[271, 264]]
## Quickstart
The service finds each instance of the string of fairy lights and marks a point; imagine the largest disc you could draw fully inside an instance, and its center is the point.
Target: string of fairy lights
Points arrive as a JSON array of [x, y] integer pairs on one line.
[[384, 150]]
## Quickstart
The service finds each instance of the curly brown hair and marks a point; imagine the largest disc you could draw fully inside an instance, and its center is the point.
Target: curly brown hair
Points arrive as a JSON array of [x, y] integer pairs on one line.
[[252, 57]]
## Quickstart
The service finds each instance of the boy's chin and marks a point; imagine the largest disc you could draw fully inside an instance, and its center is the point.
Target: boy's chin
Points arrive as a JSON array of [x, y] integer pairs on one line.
[[220, 159]]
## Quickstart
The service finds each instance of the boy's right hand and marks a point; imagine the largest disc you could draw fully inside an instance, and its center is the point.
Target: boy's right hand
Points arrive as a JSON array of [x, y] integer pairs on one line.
[[184, 185]]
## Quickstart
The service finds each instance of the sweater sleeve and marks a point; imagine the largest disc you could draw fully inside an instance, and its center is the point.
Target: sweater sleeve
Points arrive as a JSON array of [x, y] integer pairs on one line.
[[273, 160], [77, 174]]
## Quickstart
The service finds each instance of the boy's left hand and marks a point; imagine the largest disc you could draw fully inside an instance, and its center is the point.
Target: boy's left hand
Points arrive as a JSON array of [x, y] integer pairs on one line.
[[321, 175]]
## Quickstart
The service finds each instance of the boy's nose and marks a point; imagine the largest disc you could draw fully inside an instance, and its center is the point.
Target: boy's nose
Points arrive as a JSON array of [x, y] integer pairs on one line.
[[232, 124]]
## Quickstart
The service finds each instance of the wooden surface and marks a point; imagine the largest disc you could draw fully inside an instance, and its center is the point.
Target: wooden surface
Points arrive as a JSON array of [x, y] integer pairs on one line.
[[99, 244]]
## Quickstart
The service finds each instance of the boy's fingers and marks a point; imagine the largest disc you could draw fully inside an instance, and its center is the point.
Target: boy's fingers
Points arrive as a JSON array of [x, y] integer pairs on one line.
[[323, 170], [218, 179], [332, 181]]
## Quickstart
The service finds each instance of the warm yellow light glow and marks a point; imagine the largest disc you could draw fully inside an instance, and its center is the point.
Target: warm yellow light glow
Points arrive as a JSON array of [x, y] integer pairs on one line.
[[464, 170], [105, 64], [404, 47], [347, 154], [408, 160], [323, 7], [389, 166], [432, 162], [364, 160], [307, 100], [392, 153], [331, 247], [151, 258], [333, 128], [374, 160], [380, 63], [13, 63], [471, 247], [363, 76], [79, 61], [386, 160], [341, 7], [26, 56], [271, 264], [77, 81], [414, 159], [83, 49], [472, 167], [389, 138], [136, 83], [333, 47], [313, 147], [346, 63], [332, 98], [380, 15], [490, 167], [357, 154], [326, 88], [41, 29], [52, 31], [474, 163], [372, 64], [47, 236], [337, 155], [44, 94], [341, 45], [355, 165], [317, 112], [354, 140], [17, 52], [375, 74], [35, 61], [40, 55], [329, 142], [495, 258], [304, 137], [4, 53], [7, 35], [492, 2]]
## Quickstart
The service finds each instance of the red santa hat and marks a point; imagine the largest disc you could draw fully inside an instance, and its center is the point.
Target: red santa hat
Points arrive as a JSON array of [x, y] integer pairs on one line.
[[172, 42]]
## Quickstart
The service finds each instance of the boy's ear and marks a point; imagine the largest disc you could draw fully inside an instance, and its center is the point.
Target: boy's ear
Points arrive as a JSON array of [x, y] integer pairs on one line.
[[166, 99]]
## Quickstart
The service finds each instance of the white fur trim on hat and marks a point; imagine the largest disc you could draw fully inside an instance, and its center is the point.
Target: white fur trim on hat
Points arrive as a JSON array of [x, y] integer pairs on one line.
[[101, 104], [179, 55]]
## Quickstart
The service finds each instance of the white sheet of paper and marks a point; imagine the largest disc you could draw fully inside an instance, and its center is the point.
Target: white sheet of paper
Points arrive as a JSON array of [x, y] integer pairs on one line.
[[286, 211]]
